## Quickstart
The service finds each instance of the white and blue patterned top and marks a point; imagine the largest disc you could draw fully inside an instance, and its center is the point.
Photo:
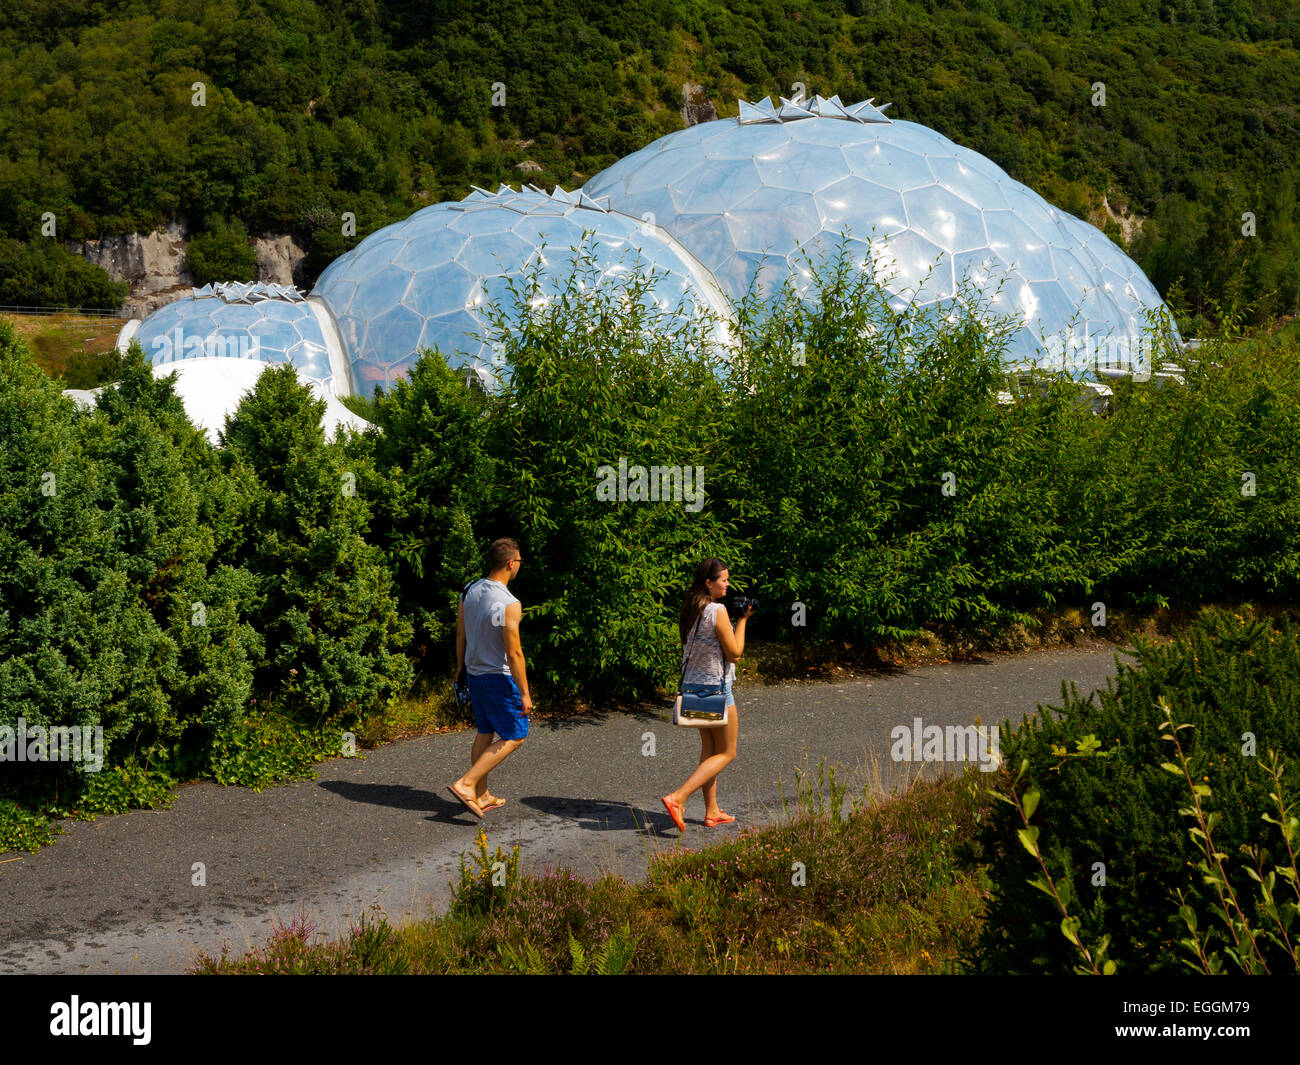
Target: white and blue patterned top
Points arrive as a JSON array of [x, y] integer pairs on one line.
[[702, 656]]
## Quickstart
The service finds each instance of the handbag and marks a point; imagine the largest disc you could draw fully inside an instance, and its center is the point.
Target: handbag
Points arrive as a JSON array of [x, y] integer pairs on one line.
[[705, 706]]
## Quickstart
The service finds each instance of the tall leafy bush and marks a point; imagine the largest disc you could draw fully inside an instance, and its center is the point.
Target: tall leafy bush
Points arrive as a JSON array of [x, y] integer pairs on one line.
[[335, 641], [1108, 814], [882, 484], [595, 375]]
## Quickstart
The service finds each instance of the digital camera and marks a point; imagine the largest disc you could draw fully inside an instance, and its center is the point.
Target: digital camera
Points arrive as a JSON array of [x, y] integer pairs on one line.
[[740, 604]]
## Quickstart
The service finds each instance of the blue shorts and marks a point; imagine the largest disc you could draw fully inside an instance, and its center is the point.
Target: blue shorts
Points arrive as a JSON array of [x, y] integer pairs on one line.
[[498, 705]]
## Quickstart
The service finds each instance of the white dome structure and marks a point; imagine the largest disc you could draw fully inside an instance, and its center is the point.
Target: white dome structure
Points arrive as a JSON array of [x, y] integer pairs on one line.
[[270, 323], [706, 216], [211, 387], [425, 282], [756, 196]]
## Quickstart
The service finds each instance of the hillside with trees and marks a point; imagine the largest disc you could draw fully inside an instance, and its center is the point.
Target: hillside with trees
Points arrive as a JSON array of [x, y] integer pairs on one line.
[[313, 108]]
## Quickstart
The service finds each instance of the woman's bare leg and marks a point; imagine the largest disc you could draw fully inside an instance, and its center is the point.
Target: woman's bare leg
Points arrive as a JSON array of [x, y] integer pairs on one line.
[[725, 741], [707, 750]]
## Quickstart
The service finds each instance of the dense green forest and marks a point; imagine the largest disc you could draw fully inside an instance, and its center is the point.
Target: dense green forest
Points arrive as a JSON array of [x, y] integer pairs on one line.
[[318, 107]]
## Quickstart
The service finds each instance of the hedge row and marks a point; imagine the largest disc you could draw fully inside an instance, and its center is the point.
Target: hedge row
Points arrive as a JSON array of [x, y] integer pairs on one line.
[[858, 473]]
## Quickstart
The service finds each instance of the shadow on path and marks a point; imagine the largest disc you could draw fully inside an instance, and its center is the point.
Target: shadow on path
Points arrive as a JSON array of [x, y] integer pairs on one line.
[[400, 797], [599, 815]]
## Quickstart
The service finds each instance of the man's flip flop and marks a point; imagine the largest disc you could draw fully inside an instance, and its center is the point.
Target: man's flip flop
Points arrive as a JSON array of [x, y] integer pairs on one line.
[[500, 802], [472, 807]]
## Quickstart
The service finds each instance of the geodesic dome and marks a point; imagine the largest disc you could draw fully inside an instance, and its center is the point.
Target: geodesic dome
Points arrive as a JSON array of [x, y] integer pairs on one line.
[[271, 323], [425, 282], [1121, 281], [754, 197]]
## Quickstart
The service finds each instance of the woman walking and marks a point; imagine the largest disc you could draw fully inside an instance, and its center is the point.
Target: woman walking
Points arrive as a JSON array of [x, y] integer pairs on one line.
[[710, 651]]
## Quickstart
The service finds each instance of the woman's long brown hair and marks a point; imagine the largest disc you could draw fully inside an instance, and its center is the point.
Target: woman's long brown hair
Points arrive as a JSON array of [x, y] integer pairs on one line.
[[697, 595]]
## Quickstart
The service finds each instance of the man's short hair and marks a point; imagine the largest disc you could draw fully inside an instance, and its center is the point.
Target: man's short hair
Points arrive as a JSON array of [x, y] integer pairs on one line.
[[501, 552]]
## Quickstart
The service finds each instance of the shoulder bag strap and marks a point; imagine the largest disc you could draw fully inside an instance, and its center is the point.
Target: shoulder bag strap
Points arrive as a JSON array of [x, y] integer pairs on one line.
[[686, 654]]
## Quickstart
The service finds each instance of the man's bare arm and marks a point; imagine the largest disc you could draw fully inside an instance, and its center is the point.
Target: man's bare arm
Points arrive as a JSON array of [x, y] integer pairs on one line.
[[515, 653], [460, 636]]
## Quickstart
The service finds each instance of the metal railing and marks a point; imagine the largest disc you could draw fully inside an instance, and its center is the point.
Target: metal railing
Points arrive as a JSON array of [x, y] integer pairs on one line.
[[76, 312]]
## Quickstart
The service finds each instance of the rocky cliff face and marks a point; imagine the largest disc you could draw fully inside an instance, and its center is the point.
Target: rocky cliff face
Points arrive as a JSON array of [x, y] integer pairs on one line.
[[1130, 225], [154, 265], [279, 259], [696, 106]]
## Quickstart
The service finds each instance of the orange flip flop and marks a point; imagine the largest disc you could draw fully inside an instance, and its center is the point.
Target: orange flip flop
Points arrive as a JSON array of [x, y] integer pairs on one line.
[[472, 807], [674, 811], [721, 819]]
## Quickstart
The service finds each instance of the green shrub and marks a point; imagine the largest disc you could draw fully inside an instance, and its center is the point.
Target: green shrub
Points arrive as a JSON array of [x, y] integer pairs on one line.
[[116, 789], [1157, 498], [881, 483], [261, 749], [78, 644], [1106, 799], [23, 830], [167, 487], [117, 614], [594, 376], [335, 640], [221, 253], [435, 483], [144, 576]]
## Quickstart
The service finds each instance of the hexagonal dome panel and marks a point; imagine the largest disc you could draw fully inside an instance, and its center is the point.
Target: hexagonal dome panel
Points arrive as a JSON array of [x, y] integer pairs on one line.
[[751, 196], [425, 282], [271, 323]]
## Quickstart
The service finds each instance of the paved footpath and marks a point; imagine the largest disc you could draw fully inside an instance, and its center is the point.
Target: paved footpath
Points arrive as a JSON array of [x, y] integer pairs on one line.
[[115, 895]]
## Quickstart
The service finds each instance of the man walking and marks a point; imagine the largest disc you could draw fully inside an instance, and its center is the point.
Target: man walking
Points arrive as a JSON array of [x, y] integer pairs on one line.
[[488, 649]]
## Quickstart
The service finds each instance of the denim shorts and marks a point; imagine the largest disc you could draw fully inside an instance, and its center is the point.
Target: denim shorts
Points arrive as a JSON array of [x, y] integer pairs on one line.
[[498, 705], [693, 686]]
